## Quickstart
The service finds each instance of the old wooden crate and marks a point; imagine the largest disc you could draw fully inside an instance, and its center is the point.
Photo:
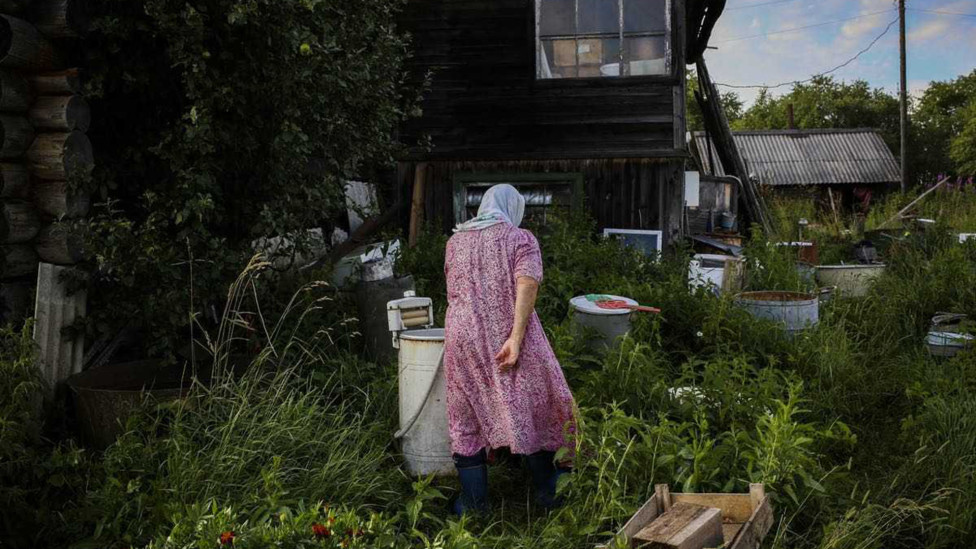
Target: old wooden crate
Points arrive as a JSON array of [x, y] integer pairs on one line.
[[746, 518]]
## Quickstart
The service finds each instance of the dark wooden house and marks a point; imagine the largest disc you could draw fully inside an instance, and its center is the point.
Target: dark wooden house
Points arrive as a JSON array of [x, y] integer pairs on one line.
[[580, 103]]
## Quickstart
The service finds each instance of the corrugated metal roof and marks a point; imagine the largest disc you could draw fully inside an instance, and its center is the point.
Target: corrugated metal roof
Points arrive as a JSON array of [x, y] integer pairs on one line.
[[809, 157]]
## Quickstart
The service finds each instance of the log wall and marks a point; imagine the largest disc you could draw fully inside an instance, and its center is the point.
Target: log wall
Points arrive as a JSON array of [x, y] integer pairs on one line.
[[44, 151]]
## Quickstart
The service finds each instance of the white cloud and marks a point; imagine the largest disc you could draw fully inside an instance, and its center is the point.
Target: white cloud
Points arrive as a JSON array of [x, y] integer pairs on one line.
[[785, 57]]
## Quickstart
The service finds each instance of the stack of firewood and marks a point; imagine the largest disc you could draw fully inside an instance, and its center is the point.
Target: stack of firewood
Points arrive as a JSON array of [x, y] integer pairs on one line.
[[44, 151]]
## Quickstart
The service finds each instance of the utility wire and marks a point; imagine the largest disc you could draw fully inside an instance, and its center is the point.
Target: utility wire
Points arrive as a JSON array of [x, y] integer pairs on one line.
[[757, 5], [825, 73], [803, 28], [942, 12]]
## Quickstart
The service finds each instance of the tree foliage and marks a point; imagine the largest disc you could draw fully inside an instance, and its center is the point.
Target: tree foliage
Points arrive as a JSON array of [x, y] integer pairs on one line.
[[221, 121], [826, 103], [730, 102], [944, 128]]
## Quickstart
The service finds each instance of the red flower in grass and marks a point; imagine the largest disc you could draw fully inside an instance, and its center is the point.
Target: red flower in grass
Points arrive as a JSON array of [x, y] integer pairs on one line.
[[321, 531], [226, 538]]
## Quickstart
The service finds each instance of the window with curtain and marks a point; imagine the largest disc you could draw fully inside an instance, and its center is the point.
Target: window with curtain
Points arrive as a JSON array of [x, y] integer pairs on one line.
[[602, 38]]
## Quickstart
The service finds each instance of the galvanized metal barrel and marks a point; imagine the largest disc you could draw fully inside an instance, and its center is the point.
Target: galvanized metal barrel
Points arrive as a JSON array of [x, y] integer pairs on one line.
[[602, 328], [850, 280], [794, 311], [426, 442]]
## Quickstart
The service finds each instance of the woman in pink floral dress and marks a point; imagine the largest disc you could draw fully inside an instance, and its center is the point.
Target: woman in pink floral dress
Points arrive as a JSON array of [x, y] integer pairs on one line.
[[505, 388]]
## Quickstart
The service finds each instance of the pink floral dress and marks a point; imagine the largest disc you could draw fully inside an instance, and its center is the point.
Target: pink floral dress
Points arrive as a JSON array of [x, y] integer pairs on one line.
[[529, 408]]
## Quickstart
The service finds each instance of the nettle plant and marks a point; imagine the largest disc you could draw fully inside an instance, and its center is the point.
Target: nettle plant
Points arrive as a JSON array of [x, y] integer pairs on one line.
[[218, 122]]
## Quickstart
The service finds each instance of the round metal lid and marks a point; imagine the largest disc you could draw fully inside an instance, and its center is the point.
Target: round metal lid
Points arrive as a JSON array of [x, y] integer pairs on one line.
[[429, 334], [583, 305]]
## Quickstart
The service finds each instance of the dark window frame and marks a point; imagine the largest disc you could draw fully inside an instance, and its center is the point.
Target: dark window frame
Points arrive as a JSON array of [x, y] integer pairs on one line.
[[465, 179], [672, 75]]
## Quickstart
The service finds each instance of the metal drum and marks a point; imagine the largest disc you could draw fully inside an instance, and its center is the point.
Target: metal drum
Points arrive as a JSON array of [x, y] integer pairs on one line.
[[793, 310], [426, 441], [850, 280], [602, 326]]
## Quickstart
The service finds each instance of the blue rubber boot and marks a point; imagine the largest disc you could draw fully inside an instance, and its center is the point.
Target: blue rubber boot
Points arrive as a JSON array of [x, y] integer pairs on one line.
[[473, 472], [545, 476]]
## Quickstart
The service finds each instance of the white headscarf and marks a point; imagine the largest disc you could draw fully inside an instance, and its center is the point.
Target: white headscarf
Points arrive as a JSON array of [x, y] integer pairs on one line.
[[500, 204]]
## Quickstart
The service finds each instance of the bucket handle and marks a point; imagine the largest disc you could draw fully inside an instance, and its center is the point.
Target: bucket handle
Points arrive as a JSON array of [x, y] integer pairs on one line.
[[416, 415]]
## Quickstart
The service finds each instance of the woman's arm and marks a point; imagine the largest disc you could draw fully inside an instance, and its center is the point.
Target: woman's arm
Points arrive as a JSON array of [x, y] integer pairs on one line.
[[526, 291]]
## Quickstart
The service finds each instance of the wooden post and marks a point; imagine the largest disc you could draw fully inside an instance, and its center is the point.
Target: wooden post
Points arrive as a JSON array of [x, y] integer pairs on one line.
[[417, 204], [54, 199], [60, 156], [663, 493], [60, 245], [19, 223], [17, 135], [14, 181], [833, 207], [903, 96], [66, 82], [22, 47], [61, 18], [17, 260], [15, 93], [757, 491], [61, 113], [913, 202]]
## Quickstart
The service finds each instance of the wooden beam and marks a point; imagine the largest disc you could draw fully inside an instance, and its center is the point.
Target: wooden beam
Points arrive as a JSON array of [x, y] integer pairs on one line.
[[66, 82], [15, 92], [62, 113], [22, 47], [18, 222], [417, 203], [61, 18], [913, 202], [60, 244], [14, 181], [61, 156], [17, 136]]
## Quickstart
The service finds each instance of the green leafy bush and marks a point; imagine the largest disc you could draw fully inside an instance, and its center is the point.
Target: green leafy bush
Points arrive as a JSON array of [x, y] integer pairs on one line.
[[218, 122]]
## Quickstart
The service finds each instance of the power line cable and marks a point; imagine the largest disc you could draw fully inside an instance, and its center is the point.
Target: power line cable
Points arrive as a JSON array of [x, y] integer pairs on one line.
[[757, 5], [825, 23], [825, 73], [942, 12]]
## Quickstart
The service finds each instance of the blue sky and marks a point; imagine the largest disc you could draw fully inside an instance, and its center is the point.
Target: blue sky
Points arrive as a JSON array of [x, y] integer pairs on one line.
[[940, 46]]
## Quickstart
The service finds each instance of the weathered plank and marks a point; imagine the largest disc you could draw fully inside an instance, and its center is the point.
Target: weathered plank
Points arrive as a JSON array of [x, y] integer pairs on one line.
[[735, 507], [684, 526], [756, 528]]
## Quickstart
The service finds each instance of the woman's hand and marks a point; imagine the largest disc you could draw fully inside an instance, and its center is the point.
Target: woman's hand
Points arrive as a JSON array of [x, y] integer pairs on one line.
[[509, 355]]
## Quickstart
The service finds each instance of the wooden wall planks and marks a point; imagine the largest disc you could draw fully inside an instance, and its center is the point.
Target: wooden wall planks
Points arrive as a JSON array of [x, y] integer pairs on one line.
[[484, 102]]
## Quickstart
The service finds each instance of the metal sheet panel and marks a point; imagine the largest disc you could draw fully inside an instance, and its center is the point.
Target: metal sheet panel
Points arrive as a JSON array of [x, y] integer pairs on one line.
[[809, 157]]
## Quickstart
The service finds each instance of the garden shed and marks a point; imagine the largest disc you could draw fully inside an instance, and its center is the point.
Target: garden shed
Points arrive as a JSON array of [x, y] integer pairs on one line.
[[579, 103], [853, 163]]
